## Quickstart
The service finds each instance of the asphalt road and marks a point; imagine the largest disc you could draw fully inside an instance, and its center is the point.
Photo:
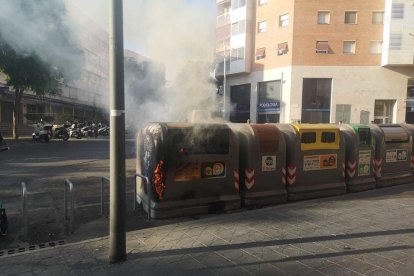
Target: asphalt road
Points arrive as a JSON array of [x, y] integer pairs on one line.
[[44, 167]]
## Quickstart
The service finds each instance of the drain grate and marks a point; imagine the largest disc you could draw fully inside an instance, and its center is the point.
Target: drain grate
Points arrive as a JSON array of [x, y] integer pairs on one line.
[[9, 252]]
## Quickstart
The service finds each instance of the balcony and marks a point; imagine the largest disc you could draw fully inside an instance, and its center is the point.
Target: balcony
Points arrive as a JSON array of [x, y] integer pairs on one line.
[[223, 19]]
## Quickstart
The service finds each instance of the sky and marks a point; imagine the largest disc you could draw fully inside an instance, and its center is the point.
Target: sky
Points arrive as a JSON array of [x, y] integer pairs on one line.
[[180, 34], [141, 15]]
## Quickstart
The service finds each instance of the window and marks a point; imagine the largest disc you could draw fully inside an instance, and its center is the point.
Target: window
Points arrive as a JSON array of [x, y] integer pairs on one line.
[[350, 17], [395, 41], [324, 17], [328, 137], [343, 113], [261, 27], [240, 102], [223, 44], [364, 136], [262, 2], [316, 100], [383, 112], [237, 54], [376, 47], [268, 106], [282, 48], [322, 47], [308, 138], [260, 53], [349, 47], [378, 18], [397, 11], [238, 27], [284, 20], [235, 4]]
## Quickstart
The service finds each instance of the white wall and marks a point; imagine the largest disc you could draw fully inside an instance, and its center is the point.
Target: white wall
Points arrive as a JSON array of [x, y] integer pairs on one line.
[[255, 77], [358, 86], [404, 27]]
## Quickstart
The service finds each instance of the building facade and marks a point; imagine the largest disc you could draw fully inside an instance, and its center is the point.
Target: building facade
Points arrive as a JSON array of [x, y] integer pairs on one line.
[[83, 99], [319, 61]]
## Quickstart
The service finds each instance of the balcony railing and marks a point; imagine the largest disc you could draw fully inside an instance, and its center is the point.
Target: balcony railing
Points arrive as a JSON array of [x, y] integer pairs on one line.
[[223, 19]]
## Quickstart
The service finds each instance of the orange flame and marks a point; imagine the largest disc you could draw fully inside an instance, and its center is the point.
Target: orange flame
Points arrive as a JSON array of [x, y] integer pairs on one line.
[[158, 180]]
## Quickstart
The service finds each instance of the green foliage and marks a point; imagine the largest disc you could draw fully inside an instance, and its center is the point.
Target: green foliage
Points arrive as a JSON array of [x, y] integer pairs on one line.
[[37, 48], [27, 71]]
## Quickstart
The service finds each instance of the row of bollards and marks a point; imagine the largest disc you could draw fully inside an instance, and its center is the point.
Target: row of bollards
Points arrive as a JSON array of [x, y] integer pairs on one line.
[[67, 193], [69, 202]]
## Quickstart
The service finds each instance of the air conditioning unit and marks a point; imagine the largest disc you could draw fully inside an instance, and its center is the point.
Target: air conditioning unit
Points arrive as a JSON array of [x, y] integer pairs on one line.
[[282, 52]]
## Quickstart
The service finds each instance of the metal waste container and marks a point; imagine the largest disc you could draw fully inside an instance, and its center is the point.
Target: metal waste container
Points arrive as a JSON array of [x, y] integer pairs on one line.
[[359, 156], [262, 164], [191, 168], [393, 150], [315, 160], [410, 129]]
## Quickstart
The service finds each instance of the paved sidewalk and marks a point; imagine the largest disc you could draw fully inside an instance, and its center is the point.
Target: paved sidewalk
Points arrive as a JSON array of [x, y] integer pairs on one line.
[[368, 233]]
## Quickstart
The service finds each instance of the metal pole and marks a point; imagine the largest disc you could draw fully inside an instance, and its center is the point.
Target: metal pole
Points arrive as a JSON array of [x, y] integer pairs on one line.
[[71, 203], [102, 195], [72, 207], [117, 210], [24, 210], [224, 84], [65, 203], [135, 193], [149, 194]]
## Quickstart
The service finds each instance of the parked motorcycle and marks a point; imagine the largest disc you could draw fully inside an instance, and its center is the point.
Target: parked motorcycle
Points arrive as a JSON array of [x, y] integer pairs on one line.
[[60, 132], [89, 131], [75, 131], [42, 133], [103, 131]]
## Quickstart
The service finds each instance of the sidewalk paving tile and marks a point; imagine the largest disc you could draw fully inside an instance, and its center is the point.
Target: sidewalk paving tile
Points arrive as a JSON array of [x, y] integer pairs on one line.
[[356, 234]]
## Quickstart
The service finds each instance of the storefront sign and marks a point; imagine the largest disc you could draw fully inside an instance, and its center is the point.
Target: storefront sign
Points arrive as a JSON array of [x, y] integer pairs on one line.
[[268, 106]]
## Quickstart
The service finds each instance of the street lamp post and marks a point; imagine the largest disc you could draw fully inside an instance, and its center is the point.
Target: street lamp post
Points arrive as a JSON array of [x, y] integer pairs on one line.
[[224, 83], [117, 232]]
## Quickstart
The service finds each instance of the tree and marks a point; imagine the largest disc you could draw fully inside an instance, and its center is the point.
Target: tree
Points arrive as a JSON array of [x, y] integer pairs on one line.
[[37, 50], [26, 72]]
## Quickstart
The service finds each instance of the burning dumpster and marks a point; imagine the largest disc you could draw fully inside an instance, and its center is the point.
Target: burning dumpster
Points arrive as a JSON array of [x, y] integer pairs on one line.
[[192, 169]]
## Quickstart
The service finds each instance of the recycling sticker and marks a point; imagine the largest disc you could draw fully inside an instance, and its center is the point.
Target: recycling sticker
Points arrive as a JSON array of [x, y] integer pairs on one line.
[[268, 163]]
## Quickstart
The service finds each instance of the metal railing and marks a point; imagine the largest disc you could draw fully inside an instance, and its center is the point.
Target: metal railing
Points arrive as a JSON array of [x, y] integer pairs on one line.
[[103, 179], [106, 179], [69, 185], [24, 210], [149, 194]]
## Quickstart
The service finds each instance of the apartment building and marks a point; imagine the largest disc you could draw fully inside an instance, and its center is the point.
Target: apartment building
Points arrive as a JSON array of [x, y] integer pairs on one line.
[[315, 61]]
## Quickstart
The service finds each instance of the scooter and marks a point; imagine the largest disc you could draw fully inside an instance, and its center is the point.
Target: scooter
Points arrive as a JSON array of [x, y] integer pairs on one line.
[[61, 132], [104, 131], [3, 221], [42, 133]]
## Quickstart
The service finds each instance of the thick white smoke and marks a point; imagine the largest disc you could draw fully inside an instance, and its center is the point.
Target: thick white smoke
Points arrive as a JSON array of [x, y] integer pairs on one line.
[[42, 27], [179, 34]]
